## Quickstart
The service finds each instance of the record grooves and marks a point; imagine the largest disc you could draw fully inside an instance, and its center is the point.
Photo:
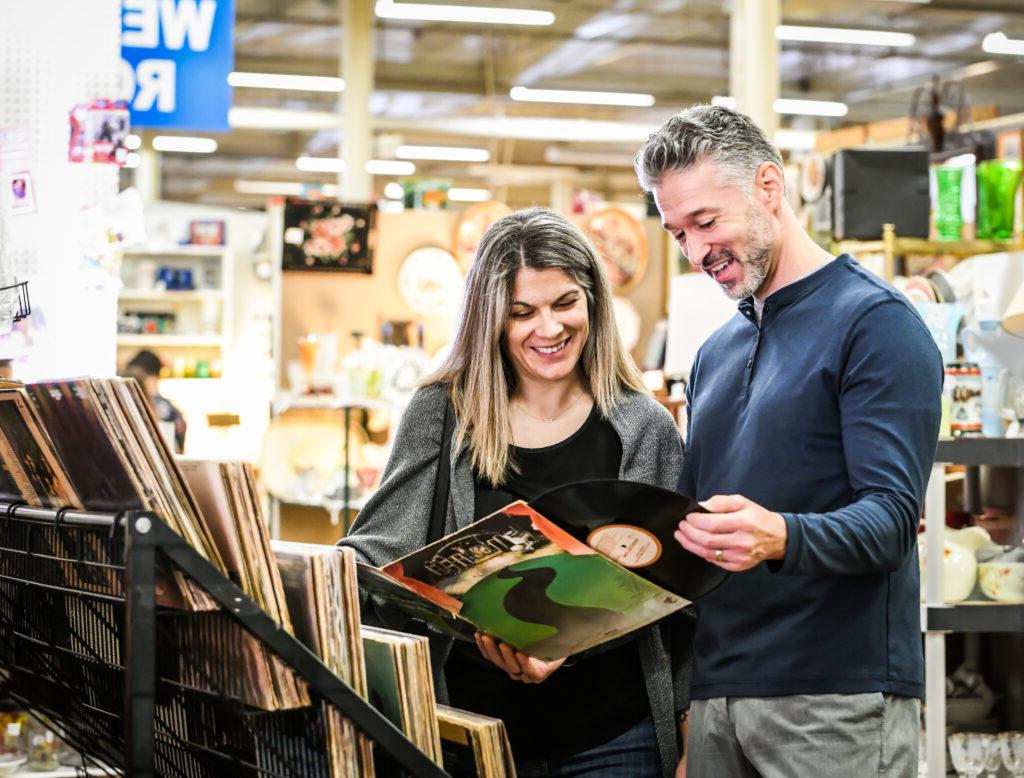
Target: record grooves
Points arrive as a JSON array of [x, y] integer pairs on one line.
[[633, 524]]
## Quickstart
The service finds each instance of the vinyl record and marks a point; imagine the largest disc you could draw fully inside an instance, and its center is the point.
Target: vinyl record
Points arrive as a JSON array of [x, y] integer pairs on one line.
[[633, 524]]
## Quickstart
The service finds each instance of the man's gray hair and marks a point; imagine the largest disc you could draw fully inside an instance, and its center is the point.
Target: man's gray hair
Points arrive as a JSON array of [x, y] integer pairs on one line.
[[705, 132]]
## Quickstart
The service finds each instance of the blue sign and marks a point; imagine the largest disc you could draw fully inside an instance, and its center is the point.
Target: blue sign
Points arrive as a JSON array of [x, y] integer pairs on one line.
[[177, 55]]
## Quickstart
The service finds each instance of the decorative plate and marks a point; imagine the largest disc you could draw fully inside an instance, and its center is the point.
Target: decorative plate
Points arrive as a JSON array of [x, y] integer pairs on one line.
[[430, 281], [622, 245], [471, 226]]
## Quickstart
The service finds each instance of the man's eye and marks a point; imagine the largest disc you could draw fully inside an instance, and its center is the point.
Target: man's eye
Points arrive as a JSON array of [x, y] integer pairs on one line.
[[708, 224]]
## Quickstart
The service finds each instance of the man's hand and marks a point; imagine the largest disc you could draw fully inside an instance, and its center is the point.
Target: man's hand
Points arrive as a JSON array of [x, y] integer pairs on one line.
[[518, 665], [736, 535]]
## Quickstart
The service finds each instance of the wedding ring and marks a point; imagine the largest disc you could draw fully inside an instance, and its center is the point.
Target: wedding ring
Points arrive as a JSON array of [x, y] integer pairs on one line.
[[718, 555]]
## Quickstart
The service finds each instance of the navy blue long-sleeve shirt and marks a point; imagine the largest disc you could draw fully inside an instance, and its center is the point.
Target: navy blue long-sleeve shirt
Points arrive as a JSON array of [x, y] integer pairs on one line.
[[828, 413]]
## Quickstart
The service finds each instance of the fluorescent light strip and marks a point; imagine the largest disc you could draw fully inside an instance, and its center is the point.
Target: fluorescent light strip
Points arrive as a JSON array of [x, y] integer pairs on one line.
[[390, 167], [724, 101], [794, 140], [320, 164], [466, 195], [290, 188], [998, 43], [285, 81], [787, 32], [810, 107], [446, 153], [428, 12], [394, 191], [183, 144], [578, 97]]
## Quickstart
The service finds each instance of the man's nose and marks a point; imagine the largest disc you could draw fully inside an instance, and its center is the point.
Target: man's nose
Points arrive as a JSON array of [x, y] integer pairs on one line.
[[696, 252]]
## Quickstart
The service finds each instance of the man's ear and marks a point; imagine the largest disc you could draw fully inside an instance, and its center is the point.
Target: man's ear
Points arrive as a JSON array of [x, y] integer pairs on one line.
[[769, 186]]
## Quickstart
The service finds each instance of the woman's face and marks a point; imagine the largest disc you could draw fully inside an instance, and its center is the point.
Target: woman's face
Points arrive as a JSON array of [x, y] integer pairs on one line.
[[548, 325]]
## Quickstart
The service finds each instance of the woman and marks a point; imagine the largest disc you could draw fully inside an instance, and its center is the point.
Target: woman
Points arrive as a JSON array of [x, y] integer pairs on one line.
[[543, 394]]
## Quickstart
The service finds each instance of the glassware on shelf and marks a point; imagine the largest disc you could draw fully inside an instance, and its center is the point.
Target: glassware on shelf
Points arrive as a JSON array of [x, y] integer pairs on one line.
[[309, 347], [993, 758], [969, 751], [41, 746], [1011, 748], [948, 219], [998, 180]]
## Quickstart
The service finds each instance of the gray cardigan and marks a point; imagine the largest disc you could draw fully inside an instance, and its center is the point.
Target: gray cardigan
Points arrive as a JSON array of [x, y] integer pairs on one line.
[[396, 518]]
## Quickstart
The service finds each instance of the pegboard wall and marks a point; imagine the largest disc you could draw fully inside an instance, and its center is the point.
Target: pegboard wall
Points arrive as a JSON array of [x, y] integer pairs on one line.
[[55, 54]]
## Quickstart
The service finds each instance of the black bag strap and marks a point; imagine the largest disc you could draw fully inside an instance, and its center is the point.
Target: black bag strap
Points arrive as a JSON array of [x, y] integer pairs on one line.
[[442, 485]]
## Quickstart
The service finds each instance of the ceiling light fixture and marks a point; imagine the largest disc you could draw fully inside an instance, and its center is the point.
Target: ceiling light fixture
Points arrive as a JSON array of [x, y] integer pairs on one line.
[[287, 81], [810, 107], [468, 195], [184, 144], [132, 142], [288, 188], [578, 97], [998, 43], [429, 12], [320, 164], [132, 159], [444, 153], [788, 32], [390, 167], [394, 191], [794, 140]]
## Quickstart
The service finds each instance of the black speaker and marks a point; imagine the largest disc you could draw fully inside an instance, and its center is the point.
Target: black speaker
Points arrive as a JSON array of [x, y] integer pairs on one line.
[[872, 187]]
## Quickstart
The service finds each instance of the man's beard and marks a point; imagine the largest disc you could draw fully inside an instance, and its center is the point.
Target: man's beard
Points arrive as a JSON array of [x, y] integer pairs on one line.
[[755, 264]]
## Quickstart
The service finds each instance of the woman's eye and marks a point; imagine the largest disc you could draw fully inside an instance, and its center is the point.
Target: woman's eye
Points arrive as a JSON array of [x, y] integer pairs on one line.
[[520, 314]]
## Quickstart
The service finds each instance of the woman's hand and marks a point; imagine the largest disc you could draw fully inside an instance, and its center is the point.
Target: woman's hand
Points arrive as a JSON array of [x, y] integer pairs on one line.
[[519, 666]]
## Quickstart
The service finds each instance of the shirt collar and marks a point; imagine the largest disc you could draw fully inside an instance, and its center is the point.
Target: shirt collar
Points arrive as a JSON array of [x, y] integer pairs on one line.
[[790, 293]]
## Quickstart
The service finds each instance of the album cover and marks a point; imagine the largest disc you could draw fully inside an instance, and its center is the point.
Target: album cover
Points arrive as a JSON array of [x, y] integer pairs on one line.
[[551, 587]]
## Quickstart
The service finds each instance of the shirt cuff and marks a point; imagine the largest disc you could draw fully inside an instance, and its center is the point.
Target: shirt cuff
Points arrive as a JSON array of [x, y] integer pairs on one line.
[[794, 546]]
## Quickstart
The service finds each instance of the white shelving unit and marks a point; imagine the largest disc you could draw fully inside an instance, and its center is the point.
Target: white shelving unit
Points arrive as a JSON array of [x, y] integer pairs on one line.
[[939, 618], [202, 315]]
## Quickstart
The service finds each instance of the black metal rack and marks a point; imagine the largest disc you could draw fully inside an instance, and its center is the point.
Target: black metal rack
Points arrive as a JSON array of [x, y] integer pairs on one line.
[[144, 690]]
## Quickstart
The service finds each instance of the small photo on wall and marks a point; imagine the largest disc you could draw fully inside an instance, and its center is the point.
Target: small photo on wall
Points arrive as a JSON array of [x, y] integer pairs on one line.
[[328, 235], [19, 193]]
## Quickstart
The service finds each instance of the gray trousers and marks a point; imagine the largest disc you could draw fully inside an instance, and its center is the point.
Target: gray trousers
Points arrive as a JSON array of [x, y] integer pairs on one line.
[[813, 735]]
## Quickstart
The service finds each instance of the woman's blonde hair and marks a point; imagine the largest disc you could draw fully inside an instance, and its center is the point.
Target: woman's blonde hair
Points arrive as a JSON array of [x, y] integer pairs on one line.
[[478, 372]]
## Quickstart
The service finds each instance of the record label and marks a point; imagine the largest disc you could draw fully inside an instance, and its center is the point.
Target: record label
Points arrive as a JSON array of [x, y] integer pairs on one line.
[[628, 545]]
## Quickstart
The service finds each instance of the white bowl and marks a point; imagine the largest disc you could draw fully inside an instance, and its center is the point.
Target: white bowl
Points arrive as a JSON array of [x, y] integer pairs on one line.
[[1002, 581]]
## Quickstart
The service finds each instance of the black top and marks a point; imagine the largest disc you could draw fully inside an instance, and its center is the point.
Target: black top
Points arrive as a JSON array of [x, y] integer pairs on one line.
[[584, 703]]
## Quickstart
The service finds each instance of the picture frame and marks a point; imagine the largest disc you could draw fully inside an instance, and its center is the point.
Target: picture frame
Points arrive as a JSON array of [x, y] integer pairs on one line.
[[327, 235], [19, 192], [207, 232]]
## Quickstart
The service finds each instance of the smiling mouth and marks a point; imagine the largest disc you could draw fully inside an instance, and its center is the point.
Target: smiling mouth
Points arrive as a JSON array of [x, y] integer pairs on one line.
[[551, 349], [715, 270]]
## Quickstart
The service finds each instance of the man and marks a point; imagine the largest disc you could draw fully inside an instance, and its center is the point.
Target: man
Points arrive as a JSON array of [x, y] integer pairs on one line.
[[813, 418], [145, 367]]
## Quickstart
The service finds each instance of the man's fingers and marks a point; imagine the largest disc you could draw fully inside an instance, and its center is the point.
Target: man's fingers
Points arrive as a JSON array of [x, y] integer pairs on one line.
[[717, 523]]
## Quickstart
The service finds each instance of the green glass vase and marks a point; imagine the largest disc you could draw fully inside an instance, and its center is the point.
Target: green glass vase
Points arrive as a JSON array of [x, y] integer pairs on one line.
[[998, 180]]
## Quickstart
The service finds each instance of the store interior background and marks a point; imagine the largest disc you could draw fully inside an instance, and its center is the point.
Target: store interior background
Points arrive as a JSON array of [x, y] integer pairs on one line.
[[96, 229]]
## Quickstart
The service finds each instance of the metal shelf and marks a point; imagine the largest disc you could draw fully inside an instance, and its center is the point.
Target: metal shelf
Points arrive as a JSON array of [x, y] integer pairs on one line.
[[974, 617], [177, 251], [981, 451], [181, 341], [171, 295]]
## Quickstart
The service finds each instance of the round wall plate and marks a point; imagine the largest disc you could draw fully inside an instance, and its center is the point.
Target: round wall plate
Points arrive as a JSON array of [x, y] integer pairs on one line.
[[430, 280], [471, 226], [622, 246]]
